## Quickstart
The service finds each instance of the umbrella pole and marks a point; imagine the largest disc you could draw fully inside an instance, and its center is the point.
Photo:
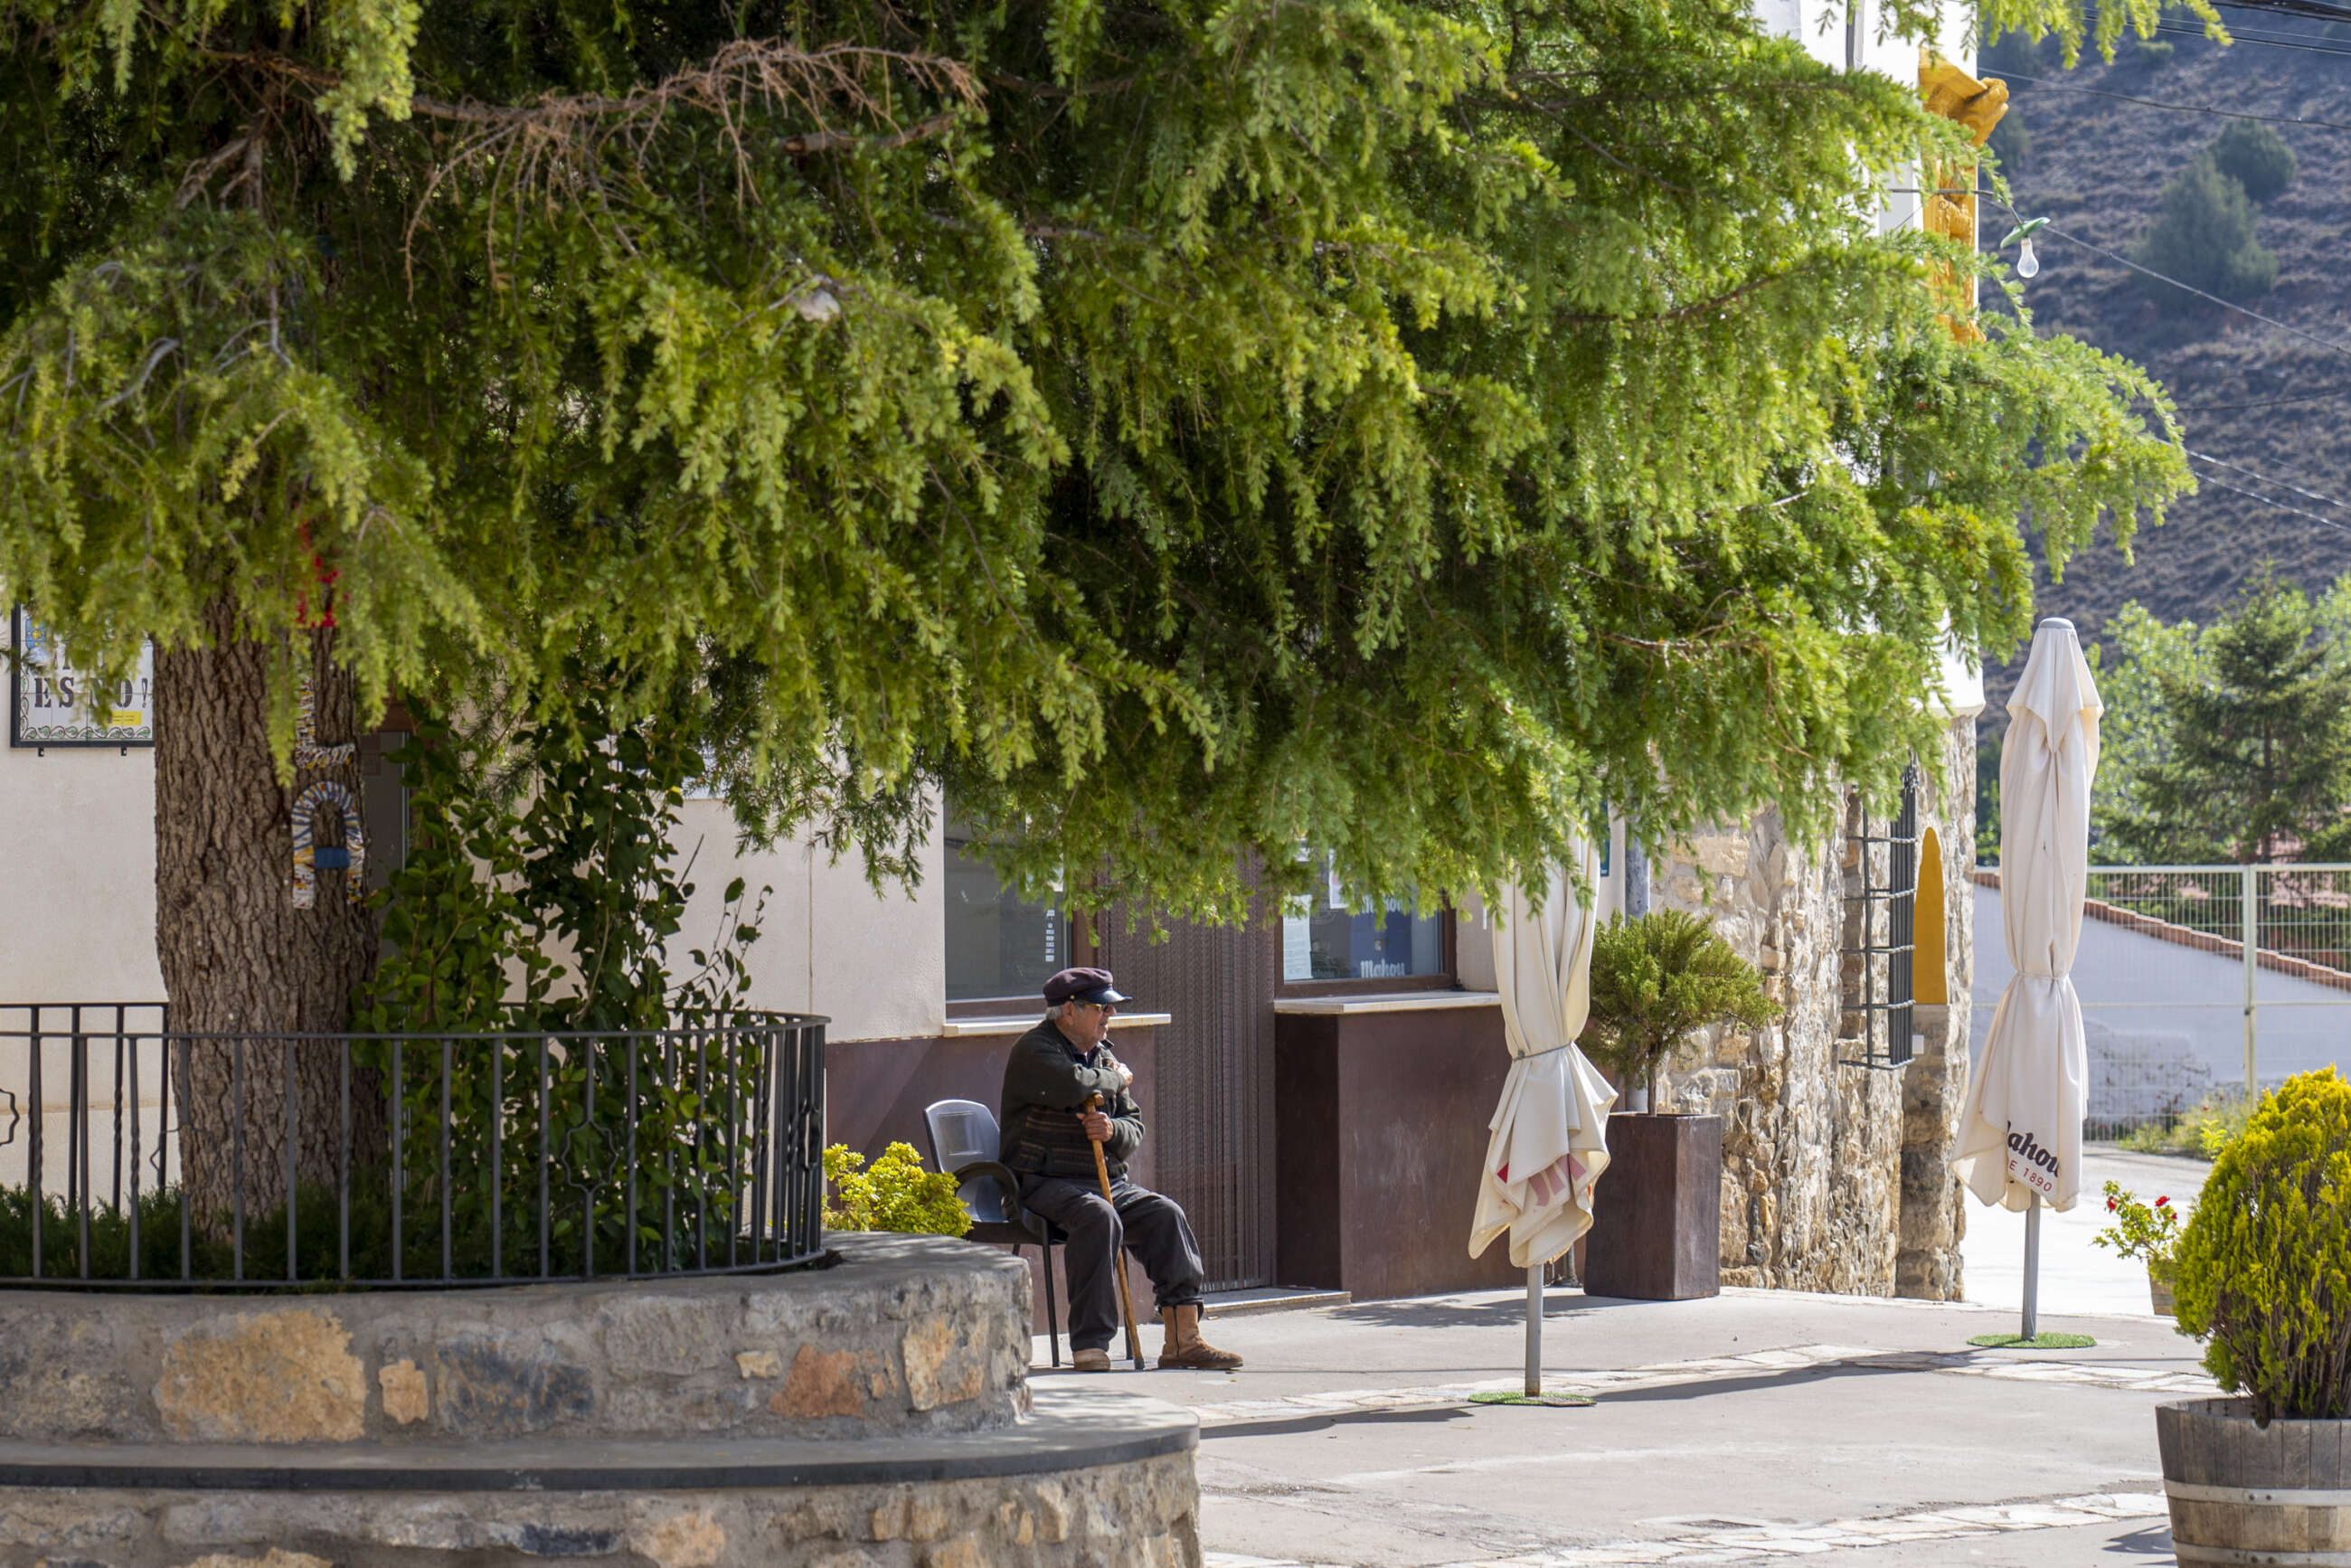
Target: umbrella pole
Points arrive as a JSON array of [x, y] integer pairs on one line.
[[2032, 1268], [1534, 1331]]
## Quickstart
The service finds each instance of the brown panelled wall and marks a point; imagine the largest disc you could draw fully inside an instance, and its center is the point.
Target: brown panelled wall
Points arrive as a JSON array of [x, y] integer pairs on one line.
[[1383, 1127], [1216, 1084]]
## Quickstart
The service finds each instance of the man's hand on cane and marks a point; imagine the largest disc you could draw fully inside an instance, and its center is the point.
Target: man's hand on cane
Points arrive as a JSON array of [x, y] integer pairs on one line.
[[1095, 1122]]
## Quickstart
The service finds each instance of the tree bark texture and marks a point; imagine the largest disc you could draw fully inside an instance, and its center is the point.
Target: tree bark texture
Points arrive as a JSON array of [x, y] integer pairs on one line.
[[243, 968]]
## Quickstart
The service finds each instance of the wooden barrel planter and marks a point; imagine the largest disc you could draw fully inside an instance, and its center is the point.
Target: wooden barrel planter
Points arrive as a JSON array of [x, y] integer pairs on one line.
[[2243, 1494]]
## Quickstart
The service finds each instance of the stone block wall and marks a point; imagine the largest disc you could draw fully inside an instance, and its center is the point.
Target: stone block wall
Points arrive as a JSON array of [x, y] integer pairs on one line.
[[906, 1333], [874, 1414], [1141, 1514], [1833, 1174]]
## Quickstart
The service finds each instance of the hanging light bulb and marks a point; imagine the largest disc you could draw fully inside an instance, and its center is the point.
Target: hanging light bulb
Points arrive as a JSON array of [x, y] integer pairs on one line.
[[2027, 264]]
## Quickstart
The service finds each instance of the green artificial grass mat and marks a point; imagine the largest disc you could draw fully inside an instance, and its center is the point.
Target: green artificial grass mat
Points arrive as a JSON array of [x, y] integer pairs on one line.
[[1556, 1401], [2038, 1341]]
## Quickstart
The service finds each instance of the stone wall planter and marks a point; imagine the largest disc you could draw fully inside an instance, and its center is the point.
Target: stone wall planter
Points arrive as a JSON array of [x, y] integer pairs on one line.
[[2243, 1494], [1656, 1229], [877, 1412]]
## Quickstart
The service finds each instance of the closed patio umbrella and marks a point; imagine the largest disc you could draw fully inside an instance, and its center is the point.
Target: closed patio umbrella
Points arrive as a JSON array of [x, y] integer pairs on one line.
[[1550, 1140], [2019, 1138]]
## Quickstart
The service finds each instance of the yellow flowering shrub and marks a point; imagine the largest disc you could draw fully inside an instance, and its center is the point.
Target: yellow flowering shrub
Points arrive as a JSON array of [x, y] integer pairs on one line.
[[2265, 1264], [895, 1194]]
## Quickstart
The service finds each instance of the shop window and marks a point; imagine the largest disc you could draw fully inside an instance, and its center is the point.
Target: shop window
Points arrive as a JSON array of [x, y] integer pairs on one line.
[[1000, 946], [1325, 938]]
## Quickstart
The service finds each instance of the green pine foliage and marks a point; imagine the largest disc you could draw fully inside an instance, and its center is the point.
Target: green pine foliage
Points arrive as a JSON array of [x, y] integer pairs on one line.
[[2256, 157], [2265, 1262], [1655, 982], [2202, 236], [1391, 426], [2234, 742]]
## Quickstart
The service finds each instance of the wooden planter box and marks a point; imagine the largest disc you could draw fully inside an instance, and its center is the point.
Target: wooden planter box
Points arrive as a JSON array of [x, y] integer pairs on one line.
[[2241, 1493], [1657, 1226]]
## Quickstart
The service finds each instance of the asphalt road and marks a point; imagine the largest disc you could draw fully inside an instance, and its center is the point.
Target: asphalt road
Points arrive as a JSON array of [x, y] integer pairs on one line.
[[1748, 1427]]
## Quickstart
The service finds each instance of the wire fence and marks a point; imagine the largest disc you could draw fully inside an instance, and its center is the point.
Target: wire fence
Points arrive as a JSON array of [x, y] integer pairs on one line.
[[2197, 982], [134, 1155]]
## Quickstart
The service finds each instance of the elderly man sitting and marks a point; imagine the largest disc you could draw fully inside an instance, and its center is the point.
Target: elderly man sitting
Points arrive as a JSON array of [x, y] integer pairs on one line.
[[1049, 1128]]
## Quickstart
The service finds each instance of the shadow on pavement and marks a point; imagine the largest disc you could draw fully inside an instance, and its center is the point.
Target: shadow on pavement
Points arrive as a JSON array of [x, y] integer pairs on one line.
[[1284, 1425], [1508, 1312], [1894, 1363], [2153, 1542]]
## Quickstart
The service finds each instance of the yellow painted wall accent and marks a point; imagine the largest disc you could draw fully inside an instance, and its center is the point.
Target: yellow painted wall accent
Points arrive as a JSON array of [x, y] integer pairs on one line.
[[1947, 203], [1930, 965]]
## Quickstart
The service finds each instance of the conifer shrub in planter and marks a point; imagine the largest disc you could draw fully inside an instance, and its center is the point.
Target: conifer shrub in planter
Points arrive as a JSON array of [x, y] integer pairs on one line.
[[1657, 1224], [1655, 982], [2264, 1280]]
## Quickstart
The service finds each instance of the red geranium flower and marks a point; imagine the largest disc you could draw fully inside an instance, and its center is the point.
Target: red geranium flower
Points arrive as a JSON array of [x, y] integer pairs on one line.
[[2160, 1202]]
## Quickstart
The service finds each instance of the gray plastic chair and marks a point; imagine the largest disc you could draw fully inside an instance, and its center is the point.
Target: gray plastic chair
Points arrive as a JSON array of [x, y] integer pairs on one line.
[[965, 1142]]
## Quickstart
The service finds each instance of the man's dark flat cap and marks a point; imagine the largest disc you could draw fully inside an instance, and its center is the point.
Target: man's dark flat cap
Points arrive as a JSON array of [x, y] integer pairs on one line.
[[1081, 986]]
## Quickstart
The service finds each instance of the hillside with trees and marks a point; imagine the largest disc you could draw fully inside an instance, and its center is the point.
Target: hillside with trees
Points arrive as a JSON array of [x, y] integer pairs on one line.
[[2210, 200]]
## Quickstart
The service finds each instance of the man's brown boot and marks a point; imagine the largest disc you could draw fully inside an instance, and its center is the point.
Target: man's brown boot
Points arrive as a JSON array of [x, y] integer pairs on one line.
[[1184, 1347]]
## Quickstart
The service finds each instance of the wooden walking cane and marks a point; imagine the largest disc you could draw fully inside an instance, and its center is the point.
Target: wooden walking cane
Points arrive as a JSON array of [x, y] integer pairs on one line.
[[1118, 1253]]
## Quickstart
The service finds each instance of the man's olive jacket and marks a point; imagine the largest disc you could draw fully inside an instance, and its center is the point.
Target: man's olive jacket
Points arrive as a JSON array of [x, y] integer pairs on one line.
[[1047, 1081]]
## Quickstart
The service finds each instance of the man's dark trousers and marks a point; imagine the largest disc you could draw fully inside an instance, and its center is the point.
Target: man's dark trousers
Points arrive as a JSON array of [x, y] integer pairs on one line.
[[1151, 1226]]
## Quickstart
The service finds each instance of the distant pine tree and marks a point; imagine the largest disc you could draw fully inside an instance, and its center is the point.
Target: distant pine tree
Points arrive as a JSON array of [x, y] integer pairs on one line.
[[2255, 746], [2256, 157], [2203, 237], [2011, 143]]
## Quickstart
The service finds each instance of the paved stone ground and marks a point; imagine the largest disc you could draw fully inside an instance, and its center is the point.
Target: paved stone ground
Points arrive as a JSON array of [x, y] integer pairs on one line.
[[1752, 1427]]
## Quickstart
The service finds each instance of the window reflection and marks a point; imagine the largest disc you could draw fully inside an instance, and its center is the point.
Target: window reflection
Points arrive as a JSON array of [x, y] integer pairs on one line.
[[1325, 938], [999, 944]]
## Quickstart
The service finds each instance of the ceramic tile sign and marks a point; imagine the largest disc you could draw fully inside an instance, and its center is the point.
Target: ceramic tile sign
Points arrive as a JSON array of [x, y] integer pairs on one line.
[[51, 702]]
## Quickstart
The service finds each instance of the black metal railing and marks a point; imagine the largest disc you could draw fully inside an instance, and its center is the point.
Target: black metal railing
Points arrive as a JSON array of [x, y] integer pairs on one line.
[[133, 1155], [1884, 915]]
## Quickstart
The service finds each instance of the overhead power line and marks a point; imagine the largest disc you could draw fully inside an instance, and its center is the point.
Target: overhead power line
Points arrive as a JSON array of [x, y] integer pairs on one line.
[[2321, 394], [2327, 343], [2280, 506], [2308, 43], [2324, 10], [2178, 108], [2266, 478]]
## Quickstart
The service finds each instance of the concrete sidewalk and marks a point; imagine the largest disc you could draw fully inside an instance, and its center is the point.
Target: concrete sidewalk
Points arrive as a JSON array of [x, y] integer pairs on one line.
[[1748, 1427]]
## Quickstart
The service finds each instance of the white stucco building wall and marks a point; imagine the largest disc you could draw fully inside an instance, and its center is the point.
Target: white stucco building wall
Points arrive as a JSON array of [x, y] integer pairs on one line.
[[872, 962], [77, 903], [77, 877]]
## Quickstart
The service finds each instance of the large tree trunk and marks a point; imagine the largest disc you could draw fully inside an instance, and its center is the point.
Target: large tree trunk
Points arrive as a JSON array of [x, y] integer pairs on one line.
[[239, 959]]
